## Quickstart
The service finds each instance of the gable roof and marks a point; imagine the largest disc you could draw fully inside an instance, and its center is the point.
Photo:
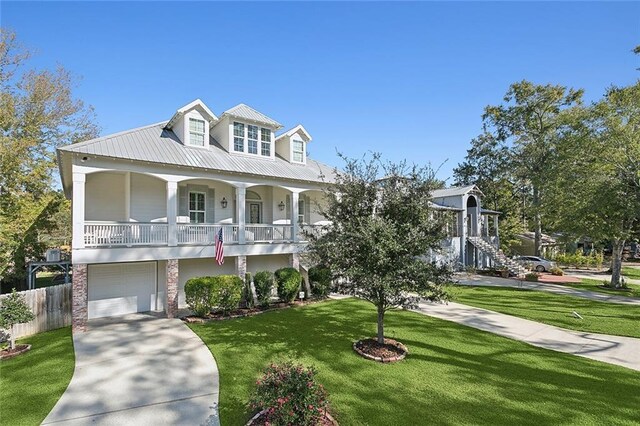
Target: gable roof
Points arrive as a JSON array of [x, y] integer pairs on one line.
[[244, 111], [200, 106], [454, 191], [157, 144], [298, 129]]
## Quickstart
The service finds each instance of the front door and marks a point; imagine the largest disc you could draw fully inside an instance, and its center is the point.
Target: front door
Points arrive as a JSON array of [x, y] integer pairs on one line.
[[254, 212]]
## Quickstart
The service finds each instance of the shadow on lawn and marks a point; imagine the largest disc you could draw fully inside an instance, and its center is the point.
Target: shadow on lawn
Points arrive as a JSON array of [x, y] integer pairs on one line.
[[453, 374]]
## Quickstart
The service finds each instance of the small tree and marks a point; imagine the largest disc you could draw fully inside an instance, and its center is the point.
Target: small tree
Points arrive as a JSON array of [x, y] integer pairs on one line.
[[380, 232], [14, 310]]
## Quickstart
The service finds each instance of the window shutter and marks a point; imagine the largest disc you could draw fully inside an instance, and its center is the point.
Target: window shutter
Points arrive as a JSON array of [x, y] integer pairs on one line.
[[307, 209], [183, 202], [288, 207], [211, 206]]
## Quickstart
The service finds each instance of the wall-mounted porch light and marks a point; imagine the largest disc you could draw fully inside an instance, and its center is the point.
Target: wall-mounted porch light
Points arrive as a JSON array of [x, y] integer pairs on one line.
[[223, 202], [281, 205]]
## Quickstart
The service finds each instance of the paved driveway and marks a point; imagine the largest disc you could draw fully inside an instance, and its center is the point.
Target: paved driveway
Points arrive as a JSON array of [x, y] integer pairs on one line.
[[142, 370]]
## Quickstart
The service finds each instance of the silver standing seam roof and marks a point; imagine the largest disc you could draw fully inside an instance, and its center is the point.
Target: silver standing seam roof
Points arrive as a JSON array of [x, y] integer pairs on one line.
[[453, 191], [244, 111], [156, 144]]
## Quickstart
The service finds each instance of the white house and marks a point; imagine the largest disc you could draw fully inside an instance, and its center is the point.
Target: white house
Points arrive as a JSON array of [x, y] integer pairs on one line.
[[148, 202]]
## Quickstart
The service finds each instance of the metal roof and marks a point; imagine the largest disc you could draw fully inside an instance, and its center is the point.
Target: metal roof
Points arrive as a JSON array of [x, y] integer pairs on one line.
[[156, 144], [437, 206], [453, 191], [244, 111]]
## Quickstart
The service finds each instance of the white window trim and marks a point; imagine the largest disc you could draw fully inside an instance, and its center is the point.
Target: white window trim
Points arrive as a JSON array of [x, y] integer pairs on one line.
[[189, 211], [301, 215], [190, 132], [245, 144], [304, 151]]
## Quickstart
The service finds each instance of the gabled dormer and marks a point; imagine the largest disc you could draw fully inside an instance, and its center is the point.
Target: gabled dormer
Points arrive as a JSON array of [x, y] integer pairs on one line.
[[244, 131], [292, 145], [192, 124]]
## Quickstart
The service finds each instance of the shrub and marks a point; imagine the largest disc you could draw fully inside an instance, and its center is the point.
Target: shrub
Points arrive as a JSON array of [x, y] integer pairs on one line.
[[199, 295], [263, 282], [557, 271], [288, 281], [290, 395], [205, 293], [14, 310], [320, 280], [531, 277], [228, 292]]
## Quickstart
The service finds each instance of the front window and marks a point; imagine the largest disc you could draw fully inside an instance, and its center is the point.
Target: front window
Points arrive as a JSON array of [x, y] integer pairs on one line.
[[238, 137], [298, 151], [196, 207], [196, 132], [252, 136], [300, 211], [265, 140]]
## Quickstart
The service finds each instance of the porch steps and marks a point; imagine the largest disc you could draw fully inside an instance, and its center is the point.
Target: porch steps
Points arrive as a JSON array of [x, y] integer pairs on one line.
[[497, 256]]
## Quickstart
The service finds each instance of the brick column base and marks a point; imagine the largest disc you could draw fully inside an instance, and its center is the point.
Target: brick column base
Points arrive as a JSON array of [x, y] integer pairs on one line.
[[79, 307], [172, 288], [294, 261], [241, 266]]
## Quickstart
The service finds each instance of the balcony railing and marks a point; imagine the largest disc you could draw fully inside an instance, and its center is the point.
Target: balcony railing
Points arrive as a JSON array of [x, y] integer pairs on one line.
[[113, 234], [125, 234]]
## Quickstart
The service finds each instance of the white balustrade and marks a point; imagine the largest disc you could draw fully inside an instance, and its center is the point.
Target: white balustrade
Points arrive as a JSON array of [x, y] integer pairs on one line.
[[98, 234], [259, 233]]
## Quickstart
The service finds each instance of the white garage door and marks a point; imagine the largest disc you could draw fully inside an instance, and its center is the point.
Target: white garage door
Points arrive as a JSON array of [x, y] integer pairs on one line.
[[121, 288]]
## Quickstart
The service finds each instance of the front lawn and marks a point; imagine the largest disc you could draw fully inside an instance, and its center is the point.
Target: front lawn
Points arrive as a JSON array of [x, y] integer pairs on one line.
[[632, 290], [32, 383], [630, 272], [554, 309], [452, 375]]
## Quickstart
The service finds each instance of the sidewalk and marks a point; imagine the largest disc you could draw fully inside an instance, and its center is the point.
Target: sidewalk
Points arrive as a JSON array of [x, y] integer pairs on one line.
[[623, 351], [481, 280], [594, 276]]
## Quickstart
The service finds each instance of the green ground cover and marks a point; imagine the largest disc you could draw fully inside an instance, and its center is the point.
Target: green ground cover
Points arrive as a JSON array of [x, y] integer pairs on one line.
[[453, 374], [32, 383]]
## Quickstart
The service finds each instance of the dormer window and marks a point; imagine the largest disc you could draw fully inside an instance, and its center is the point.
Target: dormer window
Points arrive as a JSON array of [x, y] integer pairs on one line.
[[238, 137], [196, 132], [265, 140], [252, 137], [298, 151]]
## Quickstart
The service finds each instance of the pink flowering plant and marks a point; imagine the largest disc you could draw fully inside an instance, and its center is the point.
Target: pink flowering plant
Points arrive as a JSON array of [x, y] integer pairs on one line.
[[290, 395]]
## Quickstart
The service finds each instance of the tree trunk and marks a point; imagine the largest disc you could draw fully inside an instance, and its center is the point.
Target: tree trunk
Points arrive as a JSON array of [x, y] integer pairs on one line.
[[12, 339], [380, 325], [616, 263], [537, 223]]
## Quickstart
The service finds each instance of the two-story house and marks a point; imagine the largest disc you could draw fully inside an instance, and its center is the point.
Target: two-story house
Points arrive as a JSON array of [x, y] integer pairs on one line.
[[147, 204]]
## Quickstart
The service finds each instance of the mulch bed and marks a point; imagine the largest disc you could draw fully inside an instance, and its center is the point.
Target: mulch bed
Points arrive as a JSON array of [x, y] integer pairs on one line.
[[389, 351], [19, 349], [260, 420], [246, 312]]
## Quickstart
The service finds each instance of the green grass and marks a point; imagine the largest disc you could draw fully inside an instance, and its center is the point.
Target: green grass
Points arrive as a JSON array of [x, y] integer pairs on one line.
[[629, 272], [554, 309], [453, 374], [633, 290], [32, 383]]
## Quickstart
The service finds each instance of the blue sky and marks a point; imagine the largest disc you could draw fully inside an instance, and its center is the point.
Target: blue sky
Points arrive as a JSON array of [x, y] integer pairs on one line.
[[409, 80]]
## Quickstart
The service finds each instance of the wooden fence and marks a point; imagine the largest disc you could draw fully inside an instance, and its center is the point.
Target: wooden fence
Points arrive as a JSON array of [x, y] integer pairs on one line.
[[51, 307]]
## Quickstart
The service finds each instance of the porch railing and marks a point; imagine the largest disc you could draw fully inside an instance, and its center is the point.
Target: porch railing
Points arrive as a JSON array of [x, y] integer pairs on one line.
[[105, 234], [125, 234]]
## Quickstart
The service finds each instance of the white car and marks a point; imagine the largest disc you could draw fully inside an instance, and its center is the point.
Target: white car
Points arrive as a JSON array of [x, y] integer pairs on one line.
[[536, 263]]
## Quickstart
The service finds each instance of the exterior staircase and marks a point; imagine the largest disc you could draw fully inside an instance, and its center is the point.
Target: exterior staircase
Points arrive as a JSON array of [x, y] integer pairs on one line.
[[497, 256]]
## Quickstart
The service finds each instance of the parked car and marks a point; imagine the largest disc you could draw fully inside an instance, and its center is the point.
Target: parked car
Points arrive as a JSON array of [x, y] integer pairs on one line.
[[536, 263]]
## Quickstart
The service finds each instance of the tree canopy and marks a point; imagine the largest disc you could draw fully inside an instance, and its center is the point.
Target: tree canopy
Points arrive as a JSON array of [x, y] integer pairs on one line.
[[382, 226]]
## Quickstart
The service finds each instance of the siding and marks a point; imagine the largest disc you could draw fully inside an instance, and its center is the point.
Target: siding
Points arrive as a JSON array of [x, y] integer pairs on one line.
[[105, 197], [148, 198], [203, 267], [267, 263]]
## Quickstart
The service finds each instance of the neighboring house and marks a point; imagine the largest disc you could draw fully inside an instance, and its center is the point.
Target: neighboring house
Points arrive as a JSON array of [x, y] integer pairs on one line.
[[148, 202], [525, 245]]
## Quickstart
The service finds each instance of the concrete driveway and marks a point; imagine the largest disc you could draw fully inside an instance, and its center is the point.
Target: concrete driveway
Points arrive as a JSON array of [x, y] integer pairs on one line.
[[139, 369]]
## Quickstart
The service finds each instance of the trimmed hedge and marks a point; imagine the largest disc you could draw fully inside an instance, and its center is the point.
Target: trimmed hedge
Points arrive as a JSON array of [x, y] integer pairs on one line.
[[263, 282], [288, 281], [247, 295], [203, 294], [320, 280]]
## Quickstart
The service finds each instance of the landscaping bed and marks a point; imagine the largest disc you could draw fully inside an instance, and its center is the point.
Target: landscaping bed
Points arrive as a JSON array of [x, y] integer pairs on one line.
[[454, 374], [18, 350], [245, 312], [389, 351]]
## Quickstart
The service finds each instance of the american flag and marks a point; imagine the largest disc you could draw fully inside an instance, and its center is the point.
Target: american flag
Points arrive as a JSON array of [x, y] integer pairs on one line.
[[219, 248]]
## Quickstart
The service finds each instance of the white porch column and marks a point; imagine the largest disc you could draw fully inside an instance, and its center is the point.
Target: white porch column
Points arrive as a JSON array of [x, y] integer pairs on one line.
[[77, 210], [495, 224], [240, 212], [172, 213], [294, 215]]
